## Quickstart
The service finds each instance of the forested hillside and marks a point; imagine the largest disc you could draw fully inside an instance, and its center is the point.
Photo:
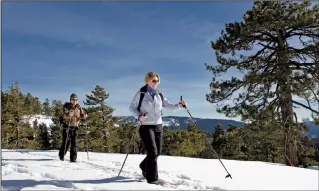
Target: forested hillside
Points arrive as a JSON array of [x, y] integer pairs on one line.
[[108, 133]]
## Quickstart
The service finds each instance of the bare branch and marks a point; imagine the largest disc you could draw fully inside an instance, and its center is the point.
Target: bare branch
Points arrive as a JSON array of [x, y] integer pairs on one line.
[[315, 95], [267, 46], [302, 64], [302, 105], [305, 34]]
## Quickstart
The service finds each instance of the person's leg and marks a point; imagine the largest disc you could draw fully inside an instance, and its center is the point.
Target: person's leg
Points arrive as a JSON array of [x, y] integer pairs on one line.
[[143, 167], [65, 144], [73, 149], [143, 163], [159, 142], [159, 138], [148, 137]]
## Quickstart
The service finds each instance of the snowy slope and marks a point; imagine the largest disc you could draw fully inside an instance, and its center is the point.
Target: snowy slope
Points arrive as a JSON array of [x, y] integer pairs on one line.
[[31, 170], [47, 120], [170, 122]]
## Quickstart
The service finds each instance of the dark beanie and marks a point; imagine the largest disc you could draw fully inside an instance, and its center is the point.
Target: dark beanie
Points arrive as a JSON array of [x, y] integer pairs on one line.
[[73, 96]]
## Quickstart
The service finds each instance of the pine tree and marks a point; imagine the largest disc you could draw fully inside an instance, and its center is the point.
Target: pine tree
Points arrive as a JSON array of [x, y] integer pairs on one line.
[[55, 136], [167, 136], [264, 142], [188, 143], [307, 152], [4, 129], [197, 138], [55, 129], [32, 104], [101, 120], [43, 137], [46, 107], [208, 152], [35, 128], [12, 114], [275, 72], [219, 140], [233, 143]]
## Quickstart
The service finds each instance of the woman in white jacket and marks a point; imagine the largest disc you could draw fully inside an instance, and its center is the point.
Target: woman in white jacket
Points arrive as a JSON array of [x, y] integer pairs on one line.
[[148, 100]]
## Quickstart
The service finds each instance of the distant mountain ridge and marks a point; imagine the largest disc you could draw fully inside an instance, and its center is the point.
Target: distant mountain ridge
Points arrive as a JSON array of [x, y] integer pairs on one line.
[[208, 125]]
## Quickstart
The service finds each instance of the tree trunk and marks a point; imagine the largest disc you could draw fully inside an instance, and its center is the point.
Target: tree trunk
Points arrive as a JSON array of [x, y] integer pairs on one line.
[[291, 150], [18, 137], [291, 157], [106, 135]]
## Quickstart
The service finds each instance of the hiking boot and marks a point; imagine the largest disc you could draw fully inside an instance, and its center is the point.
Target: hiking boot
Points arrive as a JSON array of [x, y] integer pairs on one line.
[[156, 181], [143, 172]]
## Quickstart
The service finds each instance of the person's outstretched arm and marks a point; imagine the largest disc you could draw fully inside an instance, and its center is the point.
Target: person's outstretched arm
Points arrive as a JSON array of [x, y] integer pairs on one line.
[[167, 104], [83, 115]]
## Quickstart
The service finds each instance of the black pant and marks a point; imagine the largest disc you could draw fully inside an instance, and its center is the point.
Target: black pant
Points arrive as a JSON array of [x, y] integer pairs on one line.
[[152, 136], [69, 135]]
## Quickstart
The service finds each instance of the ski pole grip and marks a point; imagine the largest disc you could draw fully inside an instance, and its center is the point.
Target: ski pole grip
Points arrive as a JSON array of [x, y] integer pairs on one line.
[[182, 100]]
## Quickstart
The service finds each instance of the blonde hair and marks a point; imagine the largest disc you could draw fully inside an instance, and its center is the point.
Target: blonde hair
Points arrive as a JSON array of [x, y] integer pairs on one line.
[[150, 76]]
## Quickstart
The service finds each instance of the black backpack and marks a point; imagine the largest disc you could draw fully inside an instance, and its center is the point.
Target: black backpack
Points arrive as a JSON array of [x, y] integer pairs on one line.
[[144, 90]]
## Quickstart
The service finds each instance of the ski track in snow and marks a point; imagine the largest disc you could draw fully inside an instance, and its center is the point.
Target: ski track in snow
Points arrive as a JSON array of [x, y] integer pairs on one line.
[[42, 170], [108, 170], [10, 168]]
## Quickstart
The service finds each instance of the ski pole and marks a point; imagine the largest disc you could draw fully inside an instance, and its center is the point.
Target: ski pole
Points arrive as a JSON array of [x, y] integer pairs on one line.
[[128, 149], [87, 142], [200, 131], [66, 139]]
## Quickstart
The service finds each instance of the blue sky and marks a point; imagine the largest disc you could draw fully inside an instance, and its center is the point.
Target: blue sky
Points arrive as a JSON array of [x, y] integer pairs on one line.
[[56, 48]]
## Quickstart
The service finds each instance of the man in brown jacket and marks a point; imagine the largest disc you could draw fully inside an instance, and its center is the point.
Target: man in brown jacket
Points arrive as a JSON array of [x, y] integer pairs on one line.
[[70, 120]]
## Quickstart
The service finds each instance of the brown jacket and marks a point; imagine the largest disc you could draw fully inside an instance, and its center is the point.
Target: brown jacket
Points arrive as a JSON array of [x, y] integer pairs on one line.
[[72, 114]]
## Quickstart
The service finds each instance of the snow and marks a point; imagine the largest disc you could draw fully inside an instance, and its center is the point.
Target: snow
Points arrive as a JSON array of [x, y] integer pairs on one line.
[[47, 120], [170, 122], [42, 170], [42, 119]]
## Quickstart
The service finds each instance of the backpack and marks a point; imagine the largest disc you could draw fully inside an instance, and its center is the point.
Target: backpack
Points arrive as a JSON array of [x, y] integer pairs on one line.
[[143, 91]]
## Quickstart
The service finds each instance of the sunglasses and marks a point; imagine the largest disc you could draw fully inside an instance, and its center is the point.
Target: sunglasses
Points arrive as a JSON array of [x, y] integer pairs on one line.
[[74, 99], [155, 81]]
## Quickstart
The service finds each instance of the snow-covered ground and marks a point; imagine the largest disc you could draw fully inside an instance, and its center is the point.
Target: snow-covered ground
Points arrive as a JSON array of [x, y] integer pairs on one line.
[[42, 119], [42, 170], [47, 120], [170, 122]]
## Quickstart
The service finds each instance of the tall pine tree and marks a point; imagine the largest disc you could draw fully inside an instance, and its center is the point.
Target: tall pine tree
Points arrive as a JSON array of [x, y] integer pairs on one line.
[[43, 137], [47, 107], [15, 130], [56, 134], [219, 140], [101, 120], [276, 70]]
